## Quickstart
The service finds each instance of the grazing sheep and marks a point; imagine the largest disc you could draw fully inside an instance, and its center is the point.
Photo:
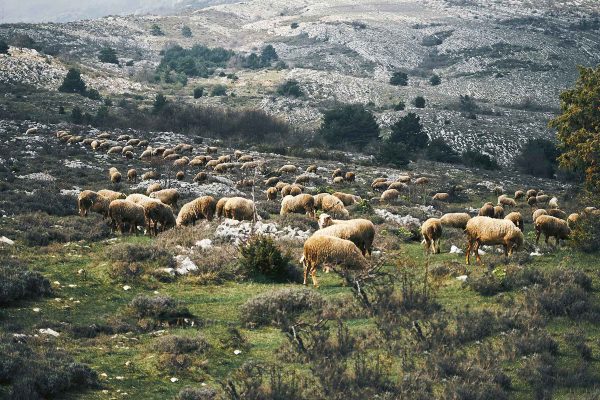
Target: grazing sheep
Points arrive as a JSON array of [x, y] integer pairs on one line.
[[94, 145], [167, 196], [302, 179], [126, 149], [272, 181], [455, 220], [115, 150], [181, 162], [103, 145], [219, 209], [146, 154], [519, 194], [288, 169], [224, 159], [319, 200], [555, 212], [498, 190], [150, 175], [432, 234], [532, 201], [198, 161], [250, 165], [212, 164], [350, 176], [300, 204], [187, 147], [140, 199], [200, 177], [245, 158], [347, 199], [488, 231], [338, 180], [531, 193], [124, 212], [441, 197], [487, 210], [537, 213], [311, 169], [168, 152], [222, 168], [553, 203], [180, 175], [322, 249], [589, 210], [551, 226], [399, 186], [498, 212], [155, 187], [31, 131], [171, 157], [380, 186], [359, 231], [517, 219], [572, 220], [159, 151], [377, 180], [237, 154], [389, 196], [334, 206], [337, 173], [280, 185], [91, 201], [542, 198], [202, 207], [505, 201], [211, 150], [143, 143], [114, 175], [422, 181], [239, 208], [293, 190], [87, 141], [244, 183], [132, 175], [403, 179], [111, 194], [128, 155], [271, 193], [157, 213], [123, 138]]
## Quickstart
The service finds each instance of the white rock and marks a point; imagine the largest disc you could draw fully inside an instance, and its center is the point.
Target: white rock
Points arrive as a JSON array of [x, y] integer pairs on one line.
[[481, 252], [174, 379], [204, 244], [50, 332], [462, 278], [455, 250], [236, 352], [6, 240], [36, 309], [126, 287], [536, 253], [119, 378], [184, 265]]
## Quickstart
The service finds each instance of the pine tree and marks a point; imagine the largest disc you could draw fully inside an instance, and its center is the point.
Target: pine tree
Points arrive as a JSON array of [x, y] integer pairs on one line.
[[73, 83]]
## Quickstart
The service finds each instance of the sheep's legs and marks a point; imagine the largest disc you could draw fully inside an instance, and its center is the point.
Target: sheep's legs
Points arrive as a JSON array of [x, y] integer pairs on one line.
[[537, 236], [476, 250], [313, 275], [469, 246], [438, 246], [427, 245]]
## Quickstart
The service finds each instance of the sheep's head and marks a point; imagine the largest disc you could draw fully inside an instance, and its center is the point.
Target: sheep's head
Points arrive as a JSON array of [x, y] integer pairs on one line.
[[325, 220]]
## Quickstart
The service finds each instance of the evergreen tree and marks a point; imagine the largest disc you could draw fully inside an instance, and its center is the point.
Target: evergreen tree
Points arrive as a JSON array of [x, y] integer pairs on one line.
[[3, 47], [409, 131], [108, 55], [73, 83], [159, 102], [76, 115], [156, 31], [419, 102], [349, 125], [399, 79], [435, 80], [186, 31]]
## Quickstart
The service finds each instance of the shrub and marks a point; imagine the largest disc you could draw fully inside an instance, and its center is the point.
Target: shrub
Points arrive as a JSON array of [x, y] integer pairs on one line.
[[160, 101], [3, 47], [392, 153], [156, 31], [294, 25], [174, 344], [439, 150], [473, 158], [73, 83], [158, 308], [76, 115], [299, 221], [419, 102], [191, 393], [435, 80], [19, 283], [467, 104], [134, 252], [260, 255], [349, 125], [399, 106], [197, 61], [290, 88], [535, 342], [108, 55], [39, 229], [186, 31], [409, 131], [279, 306], [585, 236], [539, 157], [399, 78], [218, 90], [93, 94], [198, 92]]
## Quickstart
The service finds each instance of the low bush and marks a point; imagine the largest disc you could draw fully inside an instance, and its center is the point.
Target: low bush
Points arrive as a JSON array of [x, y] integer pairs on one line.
[[472, 158], [278, 307], [261, 256], [191, 393], [299, 221], [174, 344], [535, 342], [586, 234], [20, 283], [158, 308]]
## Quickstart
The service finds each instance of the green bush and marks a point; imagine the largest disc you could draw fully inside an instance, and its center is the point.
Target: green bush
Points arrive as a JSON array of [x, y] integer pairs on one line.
[[349, 125], [409, 131], [539, 157], [73, 83], [435, 80], [290, 88], [399, 78], [400, 106], [260, 255], [93, 94], [392, 153], [191, 393], [439, 150], [158, 308], [419, 102], [277, 307], [174, 344], [19, 283], [198, 92], [197, 61], [585, 235], [473, 158], [3, 47], [156, 31], [218, 90], [186, 31], [108, 55]]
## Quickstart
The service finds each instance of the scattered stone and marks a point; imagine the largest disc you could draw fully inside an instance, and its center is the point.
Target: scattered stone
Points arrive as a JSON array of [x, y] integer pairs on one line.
[[50, 332], [6, 240]]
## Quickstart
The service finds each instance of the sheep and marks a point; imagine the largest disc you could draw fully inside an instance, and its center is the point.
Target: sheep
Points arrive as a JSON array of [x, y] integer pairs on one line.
[[159, 151], [359, 231], [555, 212], [87, 141], [132, 175], [155, 187], [288, 169], [506, 201], [171, 157], [311, 169], [126, 149], [157, 213], [551, 226], [347, 199], [377, 180], [180, 175], [403, 179], [455, 220], [94, 145], [167, 196], [211, 150], [224, 159], [111, 194], [498, 190], [337, 173], [181, 162], [187, 147], [123, 138], [302, 203], [422, 181], [488, 231], [200, 177], [280, 185], [197, 162], [104, 145], [114, 175], [399, 186], [498, 212], [129, 155], [338, 180], [302, 179], [168, 152], [124, 212], [350, 177], [572, 220], [531, 193], [272, 181], [537, 213], [321, 249], [246, 158], [244, 183], [115, 150], [542, 198], [319, 200], [239, 208], [140, 199], [334, 206], [519, 194], [104, 135], [92, 201], [432, 234], [293, 190], [143, 143], [389, 195], [202, 207], [212, 164], [222, 168], [271, 193], [487, 210], [589, 210], [74, 139], [553, 203], [441, 196], [237, 154], [532, 201], [31, 131], [250, 165], [380, 186], [517, 219], [150, 175], [219, 209]]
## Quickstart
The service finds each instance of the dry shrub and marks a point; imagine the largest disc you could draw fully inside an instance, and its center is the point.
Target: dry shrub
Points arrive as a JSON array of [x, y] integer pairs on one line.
[[192, 393], [19, 283], [260, 255], [180, 352]]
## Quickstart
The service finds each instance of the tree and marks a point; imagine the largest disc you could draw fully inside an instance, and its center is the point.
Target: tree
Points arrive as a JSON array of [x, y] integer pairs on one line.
[[350, 125], [156, 31], [419, 102], [159, 102], [290, 88], [198, 92], [93, 94], [108, 55], [409, 131], [219, 90], [392, 153], [186, 31], [73, 83], [472, 158], [538, 158], [467, 104], [61, 109], [439, 150], [3, 47], [435, 80], [578, 127], [399, 79], [76, 115], [268, 55], [399, 106]]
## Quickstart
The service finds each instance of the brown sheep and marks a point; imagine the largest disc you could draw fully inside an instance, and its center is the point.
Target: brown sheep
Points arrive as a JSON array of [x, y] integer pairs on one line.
[[389, 196], [532, 201], [441, 197], [111, 194], [180, 175], [498, 212], [517, 219], [555, 212], [167, 196], [157, 213], [333, 206], [350, 177], [239, 208], [200, 177], [487, 210], [531, 193], [132, 175], [337, 173], [302, 179], [347, 199], [150, 175], [288, 169], [338, 180], [272, 181], [92, 201], [202, 207], [572, 220], [114, 174], [537, 213], [360, 231], [432, 234], [551, 227], [293, 190], [155, 187], [319, 200], [124, 212], [311, 169], [488, 231], [211, 150], [519, 194], [300, 204], [381, 186], [271, 193], [219, 209], [455, 220]]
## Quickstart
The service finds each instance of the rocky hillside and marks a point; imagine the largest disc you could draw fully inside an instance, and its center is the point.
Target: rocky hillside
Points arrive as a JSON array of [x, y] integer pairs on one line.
[[514, 59]]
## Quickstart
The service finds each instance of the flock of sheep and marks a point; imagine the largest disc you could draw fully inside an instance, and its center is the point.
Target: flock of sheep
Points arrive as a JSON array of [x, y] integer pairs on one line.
[[342, 241]]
